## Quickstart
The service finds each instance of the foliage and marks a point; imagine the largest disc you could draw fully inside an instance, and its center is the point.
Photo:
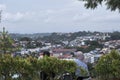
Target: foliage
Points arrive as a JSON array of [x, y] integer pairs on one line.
[[11, 66], [92, 45], [108, 66], [91, 69], [30, 68], [83, 72], [5, 42], [115, 35], [25, 39], [111, 4], [7, 67], [56, 66]]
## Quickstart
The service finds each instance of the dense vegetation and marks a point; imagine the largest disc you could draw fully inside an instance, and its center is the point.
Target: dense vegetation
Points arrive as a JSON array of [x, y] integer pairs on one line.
[[18, 68], [108, 67], [115, 35], [30, 68]]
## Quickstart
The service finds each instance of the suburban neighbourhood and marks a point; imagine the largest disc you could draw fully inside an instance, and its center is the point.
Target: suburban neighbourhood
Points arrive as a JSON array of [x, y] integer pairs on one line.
[[66, 48]]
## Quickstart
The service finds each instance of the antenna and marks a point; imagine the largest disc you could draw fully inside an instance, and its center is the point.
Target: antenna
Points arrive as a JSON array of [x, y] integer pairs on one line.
[[0, 16]]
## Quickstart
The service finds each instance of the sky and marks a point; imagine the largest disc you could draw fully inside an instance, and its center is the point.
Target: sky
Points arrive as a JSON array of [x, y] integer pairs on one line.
[[41, 16]]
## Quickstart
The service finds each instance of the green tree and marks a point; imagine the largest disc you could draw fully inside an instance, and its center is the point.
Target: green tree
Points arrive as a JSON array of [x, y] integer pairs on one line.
[[11, 66], [115, 35], [7, 67], [51, 65], [111, 4], [108, 67], [5, 42], [25, 39], [35, 67], [30, 68]]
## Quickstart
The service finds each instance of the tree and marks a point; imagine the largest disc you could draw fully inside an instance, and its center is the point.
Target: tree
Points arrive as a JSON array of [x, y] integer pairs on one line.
[[28, 42], [25, 39], [5, 42], [108, 67], [7, 67], [51, 65], [111, 4], [16, 68], [115, 35]]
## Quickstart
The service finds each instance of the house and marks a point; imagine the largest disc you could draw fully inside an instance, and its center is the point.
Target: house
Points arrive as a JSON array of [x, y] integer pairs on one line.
[[63, 52], [91, 58]]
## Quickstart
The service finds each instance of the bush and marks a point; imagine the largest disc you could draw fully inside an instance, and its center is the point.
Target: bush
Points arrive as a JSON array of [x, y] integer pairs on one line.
[[30, 68], [108, 67]]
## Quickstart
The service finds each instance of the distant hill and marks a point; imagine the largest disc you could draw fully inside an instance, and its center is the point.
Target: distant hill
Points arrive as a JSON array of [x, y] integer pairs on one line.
[[58, 37], [33, 36]]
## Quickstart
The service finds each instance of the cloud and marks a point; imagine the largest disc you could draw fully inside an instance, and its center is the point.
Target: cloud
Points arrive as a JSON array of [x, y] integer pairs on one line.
[[64, 14], [108, 18], [71, 15], [2, 7], [7, 16]]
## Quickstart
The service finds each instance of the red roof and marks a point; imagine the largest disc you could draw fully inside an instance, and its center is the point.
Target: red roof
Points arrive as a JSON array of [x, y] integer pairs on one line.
[[64, 50]]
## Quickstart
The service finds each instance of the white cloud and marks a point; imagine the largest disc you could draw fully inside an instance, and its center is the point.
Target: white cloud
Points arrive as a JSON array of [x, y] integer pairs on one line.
[[13, 16], [67, 14], [106, 18], [2, 6]]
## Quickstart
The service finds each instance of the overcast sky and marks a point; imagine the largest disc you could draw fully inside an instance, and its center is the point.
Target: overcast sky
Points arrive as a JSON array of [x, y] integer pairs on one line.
[[38, 16]]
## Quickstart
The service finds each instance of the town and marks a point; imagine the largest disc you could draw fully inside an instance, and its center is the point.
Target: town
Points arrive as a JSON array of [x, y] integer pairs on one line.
[[64, 45]]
